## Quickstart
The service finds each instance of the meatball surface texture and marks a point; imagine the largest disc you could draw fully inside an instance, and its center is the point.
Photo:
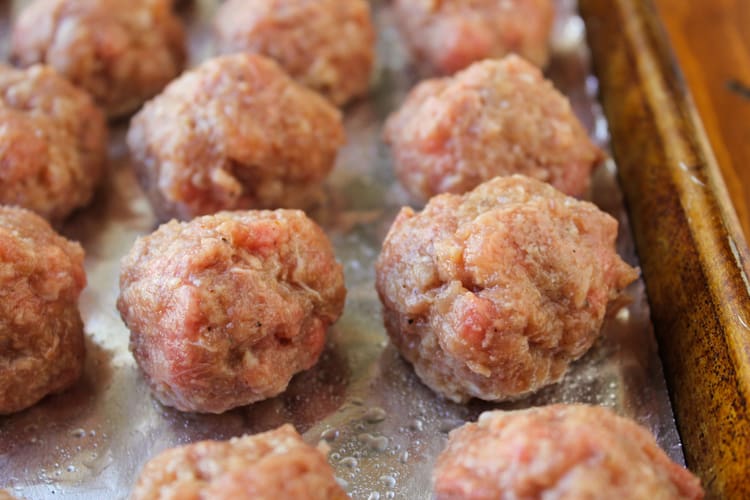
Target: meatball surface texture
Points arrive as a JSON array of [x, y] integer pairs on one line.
[[234, 133], [274, 465], [225, 309], [494, 293], [497, 117], [326, 45], [121, 52], [53, 142], [452, 34], [41, 333], [563, 452]]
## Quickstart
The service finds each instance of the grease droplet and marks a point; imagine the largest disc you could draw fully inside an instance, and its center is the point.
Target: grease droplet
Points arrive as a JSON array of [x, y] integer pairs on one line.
[[416, 425], [388, 481], [343, 483], [374, 415], [377, 443], [330, 435]]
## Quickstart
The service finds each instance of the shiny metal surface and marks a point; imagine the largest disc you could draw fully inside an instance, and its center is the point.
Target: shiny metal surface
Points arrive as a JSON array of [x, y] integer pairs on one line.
[[384, 428]]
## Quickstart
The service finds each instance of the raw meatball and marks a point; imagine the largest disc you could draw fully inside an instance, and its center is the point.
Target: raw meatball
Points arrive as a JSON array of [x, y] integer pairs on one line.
[[449, 35], [274, 465], [327, 45], [494, 118], [122, 52], [558, 452], [4, 495], [53, 142], [41, 332], [225, 309], [235, 133], [492, 294]]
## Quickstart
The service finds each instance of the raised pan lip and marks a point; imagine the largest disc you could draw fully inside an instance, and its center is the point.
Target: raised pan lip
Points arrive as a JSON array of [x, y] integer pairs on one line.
[[692, 250]]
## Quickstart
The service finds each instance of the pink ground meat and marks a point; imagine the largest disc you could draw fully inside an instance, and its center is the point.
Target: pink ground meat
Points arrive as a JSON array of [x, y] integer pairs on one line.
[[121, 52], [274, 465], [494, 293], [225, 309], [41, 333], [234, 133], [494, 118], [53, 142], [326, 45], [450, 35], [560, 452]]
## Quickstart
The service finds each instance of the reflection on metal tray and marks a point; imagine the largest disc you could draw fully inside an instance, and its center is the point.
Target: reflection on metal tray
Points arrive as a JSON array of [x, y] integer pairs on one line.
[[384, 428]]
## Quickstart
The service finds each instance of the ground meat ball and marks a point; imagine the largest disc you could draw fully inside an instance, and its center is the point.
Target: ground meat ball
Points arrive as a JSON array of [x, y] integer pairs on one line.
[[225, 309], [235, 133], [492, 294], [327, 45], [41, 332], [268, 466], [452, 34], [52, 142], [558, 452], [4, 495], [494, 118], [122, 52]]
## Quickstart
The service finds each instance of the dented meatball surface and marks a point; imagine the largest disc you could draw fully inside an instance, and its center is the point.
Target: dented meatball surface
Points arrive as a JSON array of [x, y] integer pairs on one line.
[[492, 294], [234, 133], [558, 452], [452, 34], [494, 118], [273, 465], [326, 45], [121, 52], [41, 333], [53, 142], [225, 309]]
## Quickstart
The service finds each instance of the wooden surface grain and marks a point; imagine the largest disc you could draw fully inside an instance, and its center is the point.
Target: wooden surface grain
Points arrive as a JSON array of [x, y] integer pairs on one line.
[[711, 39]]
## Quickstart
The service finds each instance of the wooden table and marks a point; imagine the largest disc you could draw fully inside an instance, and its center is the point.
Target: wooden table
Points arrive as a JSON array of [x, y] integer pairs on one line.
[[711, 39]]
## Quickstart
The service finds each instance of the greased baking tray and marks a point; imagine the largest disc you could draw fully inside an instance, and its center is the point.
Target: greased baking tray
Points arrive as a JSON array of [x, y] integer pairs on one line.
[[383, 427]]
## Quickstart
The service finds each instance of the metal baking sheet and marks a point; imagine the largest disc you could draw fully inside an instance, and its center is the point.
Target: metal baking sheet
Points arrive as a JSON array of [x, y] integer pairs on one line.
[[384, 428]]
